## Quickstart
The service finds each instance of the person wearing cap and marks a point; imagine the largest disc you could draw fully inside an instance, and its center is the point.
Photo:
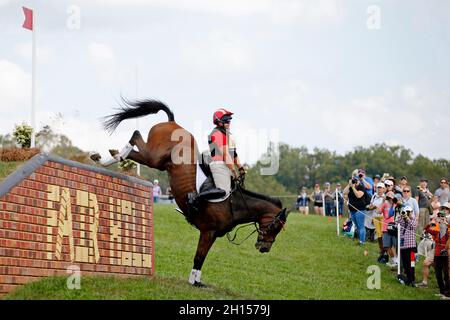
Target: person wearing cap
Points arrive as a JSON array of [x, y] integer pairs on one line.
[[408, 200], [396, 188], [376, 179], [317, 197], [439, 229], [423, 198], [389, 185], [156, 191], [328, 198], [375, 203], [389, 233], [303, 201], [408, 245], [355, 191], [443, 192], [367, 182]]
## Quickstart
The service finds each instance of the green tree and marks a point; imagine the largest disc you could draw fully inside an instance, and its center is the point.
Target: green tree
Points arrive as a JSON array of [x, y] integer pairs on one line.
[[22, 135]]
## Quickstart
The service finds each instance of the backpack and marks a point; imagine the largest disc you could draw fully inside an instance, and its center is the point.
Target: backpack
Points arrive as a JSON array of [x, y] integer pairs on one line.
[[367, 198]]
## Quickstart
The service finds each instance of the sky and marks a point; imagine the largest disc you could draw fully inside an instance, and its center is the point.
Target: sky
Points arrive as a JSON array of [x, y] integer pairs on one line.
[[327, 74]]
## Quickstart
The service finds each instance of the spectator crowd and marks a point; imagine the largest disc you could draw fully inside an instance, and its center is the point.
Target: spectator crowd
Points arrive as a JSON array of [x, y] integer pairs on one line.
[[377, 207]]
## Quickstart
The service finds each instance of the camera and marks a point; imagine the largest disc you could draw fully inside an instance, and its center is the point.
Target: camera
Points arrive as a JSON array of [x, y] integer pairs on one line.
[[360, 175], [444, 253], [354, 180]]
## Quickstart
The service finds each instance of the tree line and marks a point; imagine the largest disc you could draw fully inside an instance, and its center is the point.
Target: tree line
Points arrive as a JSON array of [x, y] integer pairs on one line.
[[297, 166]]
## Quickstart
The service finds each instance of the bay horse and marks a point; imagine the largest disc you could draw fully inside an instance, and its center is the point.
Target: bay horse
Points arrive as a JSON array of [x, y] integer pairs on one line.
[[213, 220]]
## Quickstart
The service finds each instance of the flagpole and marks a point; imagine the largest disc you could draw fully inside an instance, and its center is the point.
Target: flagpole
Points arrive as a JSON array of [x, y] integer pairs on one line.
[[33, 82]]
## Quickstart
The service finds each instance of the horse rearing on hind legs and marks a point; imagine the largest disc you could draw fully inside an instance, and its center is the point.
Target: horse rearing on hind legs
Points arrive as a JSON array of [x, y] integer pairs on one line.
[[211, 219]]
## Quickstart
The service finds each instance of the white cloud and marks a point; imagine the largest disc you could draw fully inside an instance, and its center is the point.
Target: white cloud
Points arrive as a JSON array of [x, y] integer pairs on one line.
[[44, 54], [412, 116], [222, 50], [104, 61], [274, 10], [409, 93], [15, 89], [4, 2]]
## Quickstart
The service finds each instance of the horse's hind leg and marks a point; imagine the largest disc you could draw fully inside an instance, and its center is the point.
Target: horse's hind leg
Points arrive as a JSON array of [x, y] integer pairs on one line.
[[205, 242], [138, 141], [138, 157]]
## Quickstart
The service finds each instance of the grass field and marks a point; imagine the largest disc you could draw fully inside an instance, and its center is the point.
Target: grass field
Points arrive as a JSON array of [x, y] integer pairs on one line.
[[6, 168], [307, 261]]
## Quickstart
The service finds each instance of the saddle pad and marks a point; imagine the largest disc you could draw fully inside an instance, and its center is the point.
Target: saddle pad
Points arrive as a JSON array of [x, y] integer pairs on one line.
[[200, 178]]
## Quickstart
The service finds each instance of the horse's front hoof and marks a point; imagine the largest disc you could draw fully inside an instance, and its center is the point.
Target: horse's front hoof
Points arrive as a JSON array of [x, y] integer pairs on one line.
[[113, 152], [95, 156], [199, 284]]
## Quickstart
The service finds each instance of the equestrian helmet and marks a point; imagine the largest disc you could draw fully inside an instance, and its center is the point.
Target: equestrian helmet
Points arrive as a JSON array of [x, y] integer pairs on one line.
[[221, 115]]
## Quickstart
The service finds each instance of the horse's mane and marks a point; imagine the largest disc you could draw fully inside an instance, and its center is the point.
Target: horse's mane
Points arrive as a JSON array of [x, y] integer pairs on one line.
[[272, 200]]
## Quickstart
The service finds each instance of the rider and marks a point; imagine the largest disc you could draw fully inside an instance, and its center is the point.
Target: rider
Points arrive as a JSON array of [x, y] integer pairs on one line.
[[223, 151]]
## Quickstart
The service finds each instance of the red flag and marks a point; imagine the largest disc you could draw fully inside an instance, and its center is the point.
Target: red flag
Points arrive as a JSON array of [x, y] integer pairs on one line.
[[28, 23]]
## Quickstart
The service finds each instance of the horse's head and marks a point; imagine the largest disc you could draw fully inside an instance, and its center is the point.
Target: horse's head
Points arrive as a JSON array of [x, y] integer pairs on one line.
[[269, 227]]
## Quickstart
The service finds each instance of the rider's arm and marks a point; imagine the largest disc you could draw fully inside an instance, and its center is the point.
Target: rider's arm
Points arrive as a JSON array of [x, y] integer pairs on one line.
[[237, 161], [227, 158]]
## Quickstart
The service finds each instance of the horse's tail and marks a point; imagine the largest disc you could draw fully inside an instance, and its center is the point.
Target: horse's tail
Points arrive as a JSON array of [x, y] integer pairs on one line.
[[136, 109]]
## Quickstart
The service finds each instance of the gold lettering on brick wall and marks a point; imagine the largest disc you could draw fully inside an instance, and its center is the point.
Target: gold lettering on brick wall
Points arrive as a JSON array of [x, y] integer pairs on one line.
[[122, 228], [125, 240], [63, 220], [65, 224]]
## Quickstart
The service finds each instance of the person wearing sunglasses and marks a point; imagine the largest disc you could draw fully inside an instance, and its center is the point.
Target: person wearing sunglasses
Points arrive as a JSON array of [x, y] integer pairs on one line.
[[410, 201], [223, 158], [443, 192], [408, 244], [439, 229], [223, 151]]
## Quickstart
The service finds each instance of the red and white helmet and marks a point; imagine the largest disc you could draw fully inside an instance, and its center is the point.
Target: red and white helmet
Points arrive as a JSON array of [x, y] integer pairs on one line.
[[221, 115]]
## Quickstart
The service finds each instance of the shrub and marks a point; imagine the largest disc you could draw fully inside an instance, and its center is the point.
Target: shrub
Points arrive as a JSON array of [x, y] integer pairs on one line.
[[128, 166], [16, 154], [22, 135]]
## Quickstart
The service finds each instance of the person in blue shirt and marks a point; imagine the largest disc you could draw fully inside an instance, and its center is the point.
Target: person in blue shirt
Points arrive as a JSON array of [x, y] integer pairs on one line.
[[367, 182], [303, 201]]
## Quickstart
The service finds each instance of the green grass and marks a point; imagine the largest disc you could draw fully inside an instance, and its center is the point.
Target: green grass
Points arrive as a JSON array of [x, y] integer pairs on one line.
[[307, 261], [6, 168]]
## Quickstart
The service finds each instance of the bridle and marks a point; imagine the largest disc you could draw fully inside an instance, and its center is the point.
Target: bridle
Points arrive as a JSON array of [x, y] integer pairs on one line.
[[265, 228]]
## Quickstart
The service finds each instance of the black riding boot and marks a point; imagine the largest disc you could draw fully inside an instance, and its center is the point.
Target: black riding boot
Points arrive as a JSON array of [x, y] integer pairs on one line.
[[194, 198]]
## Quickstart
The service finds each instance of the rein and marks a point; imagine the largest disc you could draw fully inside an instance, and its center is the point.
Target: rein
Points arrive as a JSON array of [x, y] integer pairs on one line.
[[239, 183]]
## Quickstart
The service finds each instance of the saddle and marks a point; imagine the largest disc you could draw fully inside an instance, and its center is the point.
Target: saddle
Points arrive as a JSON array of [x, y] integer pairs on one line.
[[206, 188]]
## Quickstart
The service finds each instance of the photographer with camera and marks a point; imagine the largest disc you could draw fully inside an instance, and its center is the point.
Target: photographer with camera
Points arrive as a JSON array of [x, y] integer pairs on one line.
[[408, 224], [439, 229], [367, 182], [355, 191]]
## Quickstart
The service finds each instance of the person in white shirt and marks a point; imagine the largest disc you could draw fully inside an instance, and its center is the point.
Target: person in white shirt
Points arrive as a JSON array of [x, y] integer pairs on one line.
[[375, 204]]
